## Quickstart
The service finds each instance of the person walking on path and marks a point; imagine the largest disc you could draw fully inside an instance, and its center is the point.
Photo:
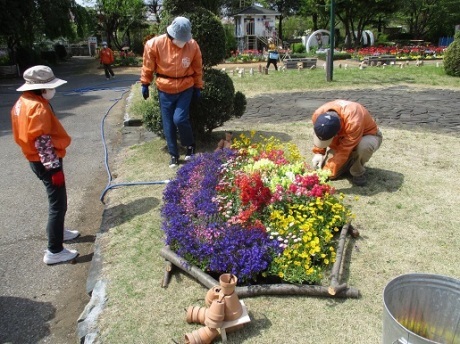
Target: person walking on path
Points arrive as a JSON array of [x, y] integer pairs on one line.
[[43, 141], [175, 59], [106, 57], [273, 54], [345, 138]]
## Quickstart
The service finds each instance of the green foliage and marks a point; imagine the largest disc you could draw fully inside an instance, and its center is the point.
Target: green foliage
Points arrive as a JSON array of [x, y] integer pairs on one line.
[[382, 39], [295, 26], [337, 56], [209, 32], [150, 110], [26, 57], [298, 48], [230, 40], [127, 61], [452, 57], [61, 51], [239, 104], [116, 17], [49, 56], [218, 103], [178, 7]]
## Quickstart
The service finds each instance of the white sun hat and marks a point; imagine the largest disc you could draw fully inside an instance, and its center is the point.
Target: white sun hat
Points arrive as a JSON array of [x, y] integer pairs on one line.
[[40, 77], [180, 29]]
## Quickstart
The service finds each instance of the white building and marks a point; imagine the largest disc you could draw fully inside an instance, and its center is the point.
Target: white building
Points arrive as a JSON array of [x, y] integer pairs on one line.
[[253, 26]]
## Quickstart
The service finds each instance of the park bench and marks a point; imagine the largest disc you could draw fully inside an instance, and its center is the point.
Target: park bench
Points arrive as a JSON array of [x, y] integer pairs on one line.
[[383, 59], [9, 71], [307, 62]]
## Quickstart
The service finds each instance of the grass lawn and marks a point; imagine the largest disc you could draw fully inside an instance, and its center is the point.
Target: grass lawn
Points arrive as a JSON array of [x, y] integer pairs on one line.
[[406, 216]]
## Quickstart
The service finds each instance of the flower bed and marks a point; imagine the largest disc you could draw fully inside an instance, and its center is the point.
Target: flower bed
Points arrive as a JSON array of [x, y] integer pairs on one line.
[[257, 211], [405, 52]]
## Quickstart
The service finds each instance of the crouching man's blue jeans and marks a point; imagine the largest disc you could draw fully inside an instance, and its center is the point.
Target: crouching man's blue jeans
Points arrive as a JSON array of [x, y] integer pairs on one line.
[[175, 109]]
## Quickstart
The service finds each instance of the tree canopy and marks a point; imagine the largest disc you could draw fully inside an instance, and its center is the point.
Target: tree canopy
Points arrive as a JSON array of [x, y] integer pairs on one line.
[[27, 22], [115, 17]]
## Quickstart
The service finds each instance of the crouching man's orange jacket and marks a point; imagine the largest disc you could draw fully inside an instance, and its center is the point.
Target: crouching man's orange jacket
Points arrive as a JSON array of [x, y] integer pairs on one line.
[[177, 69], [32, 117], [355, 122]]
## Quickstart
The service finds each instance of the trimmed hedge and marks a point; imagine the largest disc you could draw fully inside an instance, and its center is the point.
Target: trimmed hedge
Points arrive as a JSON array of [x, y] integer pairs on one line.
[[452, 57]]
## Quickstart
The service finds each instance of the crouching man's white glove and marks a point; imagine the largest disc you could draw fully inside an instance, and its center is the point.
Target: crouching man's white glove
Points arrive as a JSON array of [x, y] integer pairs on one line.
[[317, 161]]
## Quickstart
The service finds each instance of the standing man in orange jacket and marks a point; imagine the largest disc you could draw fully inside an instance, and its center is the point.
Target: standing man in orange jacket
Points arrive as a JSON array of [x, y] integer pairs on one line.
[[175, 59], [106, 58], [43, 141], [345, 137]]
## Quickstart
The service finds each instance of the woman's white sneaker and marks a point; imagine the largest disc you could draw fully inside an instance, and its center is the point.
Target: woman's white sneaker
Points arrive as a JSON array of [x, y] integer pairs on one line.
[[70, 235], [64, 256]]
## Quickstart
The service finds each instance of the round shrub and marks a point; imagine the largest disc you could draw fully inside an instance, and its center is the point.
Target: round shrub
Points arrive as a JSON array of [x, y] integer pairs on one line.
[[298, 48], [239, 104], [209, 32], [218, 102], [151, 113], [452, 57]]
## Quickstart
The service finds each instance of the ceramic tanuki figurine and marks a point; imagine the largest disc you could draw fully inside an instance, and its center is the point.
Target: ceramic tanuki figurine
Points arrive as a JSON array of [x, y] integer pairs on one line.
[[225, 143]]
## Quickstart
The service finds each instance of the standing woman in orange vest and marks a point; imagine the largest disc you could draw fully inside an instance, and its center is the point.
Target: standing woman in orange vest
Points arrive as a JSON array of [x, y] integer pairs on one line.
[[43, 141], [106, 57]]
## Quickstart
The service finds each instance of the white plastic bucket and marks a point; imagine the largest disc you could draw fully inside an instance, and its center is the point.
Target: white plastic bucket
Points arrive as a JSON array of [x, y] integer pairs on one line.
[[420, 309]]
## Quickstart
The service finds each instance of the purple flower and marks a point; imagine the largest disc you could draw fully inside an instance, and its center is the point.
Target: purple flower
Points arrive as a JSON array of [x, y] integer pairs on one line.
[[198, 232]]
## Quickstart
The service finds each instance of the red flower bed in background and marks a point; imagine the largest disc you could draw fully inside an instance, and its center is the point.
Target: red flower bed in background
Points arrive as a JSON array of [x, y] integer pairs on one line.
[[415, 52]]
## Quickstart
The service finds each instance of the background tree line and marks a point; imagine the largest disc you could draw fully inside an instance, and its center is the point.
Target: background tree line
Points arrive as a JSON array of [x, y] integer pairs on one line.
[[26, 23]]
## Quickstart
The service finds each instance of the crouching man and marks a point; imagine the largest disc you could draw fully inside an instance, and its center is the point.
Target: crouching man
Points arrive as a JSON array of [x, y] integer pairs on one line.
[[345, 137]]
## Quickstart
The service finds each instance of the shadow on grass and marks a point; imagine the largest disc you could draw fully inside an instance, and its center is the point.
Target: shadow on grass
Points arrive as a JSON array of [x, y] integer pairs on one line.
[[122, 213], [378, 180], [258, 324]]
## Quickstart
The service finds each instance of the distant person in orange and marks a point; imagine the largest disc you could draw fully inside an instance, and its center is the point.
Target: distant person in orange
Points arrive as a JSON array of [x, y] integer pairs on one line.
[[43, 141], [106, 58]]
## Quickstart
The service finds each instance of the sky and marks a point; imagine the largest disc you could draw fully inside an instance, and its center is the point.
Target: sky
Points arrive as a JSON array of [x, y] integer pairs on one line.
[[85, 3]]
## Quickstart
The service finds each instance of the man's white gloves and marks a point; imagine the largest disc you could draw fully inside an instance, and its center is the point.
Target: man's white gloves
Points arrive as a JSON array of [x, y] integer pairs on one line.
[[317, 161]]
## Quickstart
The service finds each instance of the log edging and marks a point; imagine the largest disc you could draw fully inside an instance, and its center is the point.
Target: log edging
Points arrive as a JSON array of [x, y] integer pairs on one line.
[[335, 289]]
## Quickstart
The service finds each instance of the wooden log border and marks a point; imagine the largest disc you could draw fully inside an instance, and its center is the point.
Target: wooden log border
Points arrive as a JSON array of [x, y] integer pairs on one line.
[[335, 289]]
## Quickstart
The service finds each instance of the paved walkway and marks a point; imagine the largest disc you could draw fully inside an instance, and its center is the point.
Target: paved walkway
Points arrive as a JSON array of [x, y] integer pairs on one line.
[[399, 106]]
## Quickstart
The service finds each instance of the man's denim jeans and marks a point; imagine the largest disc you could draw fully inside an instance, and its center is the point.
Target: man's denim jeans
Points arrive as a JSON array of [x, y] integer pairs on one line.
[[175, 109]]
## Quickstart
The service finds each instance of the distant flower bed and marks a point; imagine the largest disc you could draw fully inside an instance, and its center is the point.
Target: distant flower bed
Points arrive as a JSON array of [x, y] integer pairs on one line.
[[257, 211], [246, 56], [407, 52], [126, 58]]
